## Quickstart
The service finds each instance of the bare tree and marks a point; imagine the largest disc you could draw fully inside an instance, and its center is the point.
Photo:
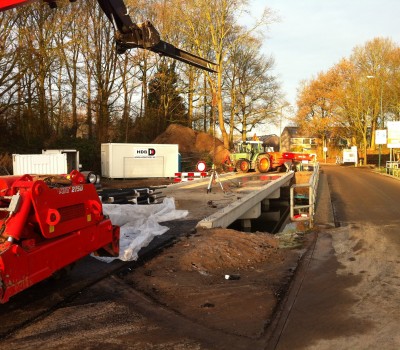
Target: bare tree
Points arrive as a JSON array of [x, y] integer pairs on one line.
[[254, 91], [100, 54], [209, 25]]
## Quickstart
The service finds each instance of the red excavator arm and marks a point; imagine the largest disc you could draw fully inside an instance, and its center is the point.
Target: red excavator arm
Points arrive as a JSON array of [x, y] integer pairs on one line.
[[130, 35]]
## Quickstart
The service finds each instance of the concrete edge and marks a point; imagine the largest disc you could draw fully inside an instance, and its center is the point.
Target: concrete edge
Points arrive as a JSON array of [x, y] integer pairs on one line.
[[324, 213]]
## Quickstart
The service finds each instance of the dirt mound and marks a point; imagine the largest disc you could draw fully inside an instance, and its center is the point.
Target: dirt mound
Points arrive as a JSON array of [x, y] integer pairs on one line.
[[221, 154], [193, 142], [205, 142], [223, 250], [178, 134]]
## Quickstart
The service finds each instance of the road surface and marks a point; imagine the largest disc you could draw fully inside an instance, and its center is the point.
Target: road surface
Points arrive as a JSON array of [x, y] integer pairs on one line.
[[348, 295]]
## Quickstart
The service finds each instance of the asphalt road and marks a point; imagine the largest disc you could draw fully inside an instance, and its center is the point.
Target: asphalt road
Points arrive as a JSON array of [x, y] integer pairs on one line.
[[347, 295], [361, 195]]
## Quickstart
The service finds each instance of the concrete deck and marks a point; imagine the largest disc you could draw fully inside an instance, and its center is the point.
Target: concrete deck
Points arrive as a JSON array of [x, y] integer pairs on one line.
[[228, 198]]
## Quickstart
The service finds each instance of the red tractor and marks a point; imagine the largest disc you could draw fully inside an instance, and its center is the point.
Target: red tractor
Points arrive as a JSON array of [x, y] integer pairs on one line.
[[253, 155]]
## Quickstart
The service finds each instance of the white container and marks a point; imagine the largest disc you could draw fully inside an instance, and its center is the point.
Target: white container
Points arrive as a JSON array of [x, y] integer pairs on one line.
[[350, 155], [138, 160], [39, 164], [72, 157]]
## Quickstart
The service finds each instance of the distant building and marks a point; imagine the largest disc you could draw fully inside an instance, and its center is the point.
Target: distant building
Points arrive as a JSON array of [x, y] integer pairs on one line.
[[271, 141], [268, 141], [293, 140]]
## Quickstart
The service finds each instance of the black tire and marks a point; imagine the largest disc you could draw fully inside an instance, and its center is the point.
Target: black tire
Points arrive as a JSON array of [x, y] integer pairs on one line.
[[263, 163], [242, 166]]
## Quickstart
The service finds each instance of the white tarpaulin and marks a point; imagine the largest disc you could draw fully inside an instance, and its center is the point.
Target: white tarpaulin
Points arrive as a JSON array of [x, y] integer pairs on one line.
[[139, 224]]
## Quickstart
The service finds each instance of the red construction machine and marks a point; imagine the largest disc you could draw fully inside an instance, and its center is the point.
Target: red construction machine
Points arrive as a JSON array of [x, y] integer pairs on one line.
[[49, 223]]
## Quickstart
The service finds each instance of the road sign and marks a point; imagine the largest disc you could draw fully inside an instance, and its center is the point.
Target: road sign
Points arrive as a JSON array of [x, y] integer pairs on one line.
[[380, 137], [393, 134]]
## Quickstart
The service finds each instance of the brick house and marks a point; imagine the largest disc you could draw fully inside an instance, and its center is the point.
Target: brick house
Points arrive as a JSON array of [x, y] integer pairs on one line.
[[293, 140]]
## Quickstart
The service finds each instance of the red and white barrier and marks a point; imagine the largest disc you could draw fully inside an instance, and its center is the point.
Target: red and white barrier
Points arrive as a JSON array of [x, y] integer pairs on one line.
[[189, 176]]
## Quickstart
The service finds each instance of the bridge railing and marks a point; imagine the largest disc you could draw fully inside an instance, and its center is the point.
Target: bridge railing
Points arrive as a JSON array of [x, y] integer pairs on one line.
[[305, 211], [392, 168]]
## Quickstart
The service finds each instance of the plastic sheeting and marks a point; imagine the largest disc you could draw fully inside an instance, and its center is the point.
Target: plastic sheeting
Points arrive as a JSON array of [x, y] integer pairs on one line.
[[139, 224]]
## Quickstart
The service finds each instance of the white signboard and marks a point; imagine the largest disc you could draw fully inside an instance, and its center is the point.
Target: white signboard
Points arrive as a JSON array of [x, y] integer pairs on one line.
[[350, 155], [393, 134], [380, 137]]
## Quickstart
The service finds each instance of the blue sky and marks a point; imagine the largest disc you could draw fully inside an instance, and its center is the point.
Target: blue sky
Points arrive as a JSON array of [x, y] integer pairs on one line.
[[313, 35]]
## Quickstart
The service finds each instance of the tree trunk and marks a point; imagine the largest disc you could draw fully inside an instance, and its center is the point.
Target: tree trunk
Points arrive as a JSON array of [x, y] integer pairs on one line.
[[74, 96], [205, 118], [190, 98], [89, 115], [221, 121], [125, 113]]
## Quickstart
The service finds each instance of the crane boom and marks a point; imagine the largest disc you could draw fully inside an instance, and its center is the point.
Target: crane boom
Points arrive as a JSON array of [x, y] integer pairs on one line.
[[130, 35]]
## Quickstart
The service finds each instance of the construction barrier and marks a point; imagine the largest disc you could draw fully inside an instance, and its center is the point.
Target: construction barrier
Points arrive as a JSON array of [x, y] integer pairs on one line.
[[189, 176]]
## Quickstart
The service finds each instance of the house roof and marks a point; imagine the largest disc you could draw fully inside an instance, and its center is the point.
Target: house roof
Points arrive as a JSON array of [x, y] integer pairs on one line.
[[294, 131], [264, 138]]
